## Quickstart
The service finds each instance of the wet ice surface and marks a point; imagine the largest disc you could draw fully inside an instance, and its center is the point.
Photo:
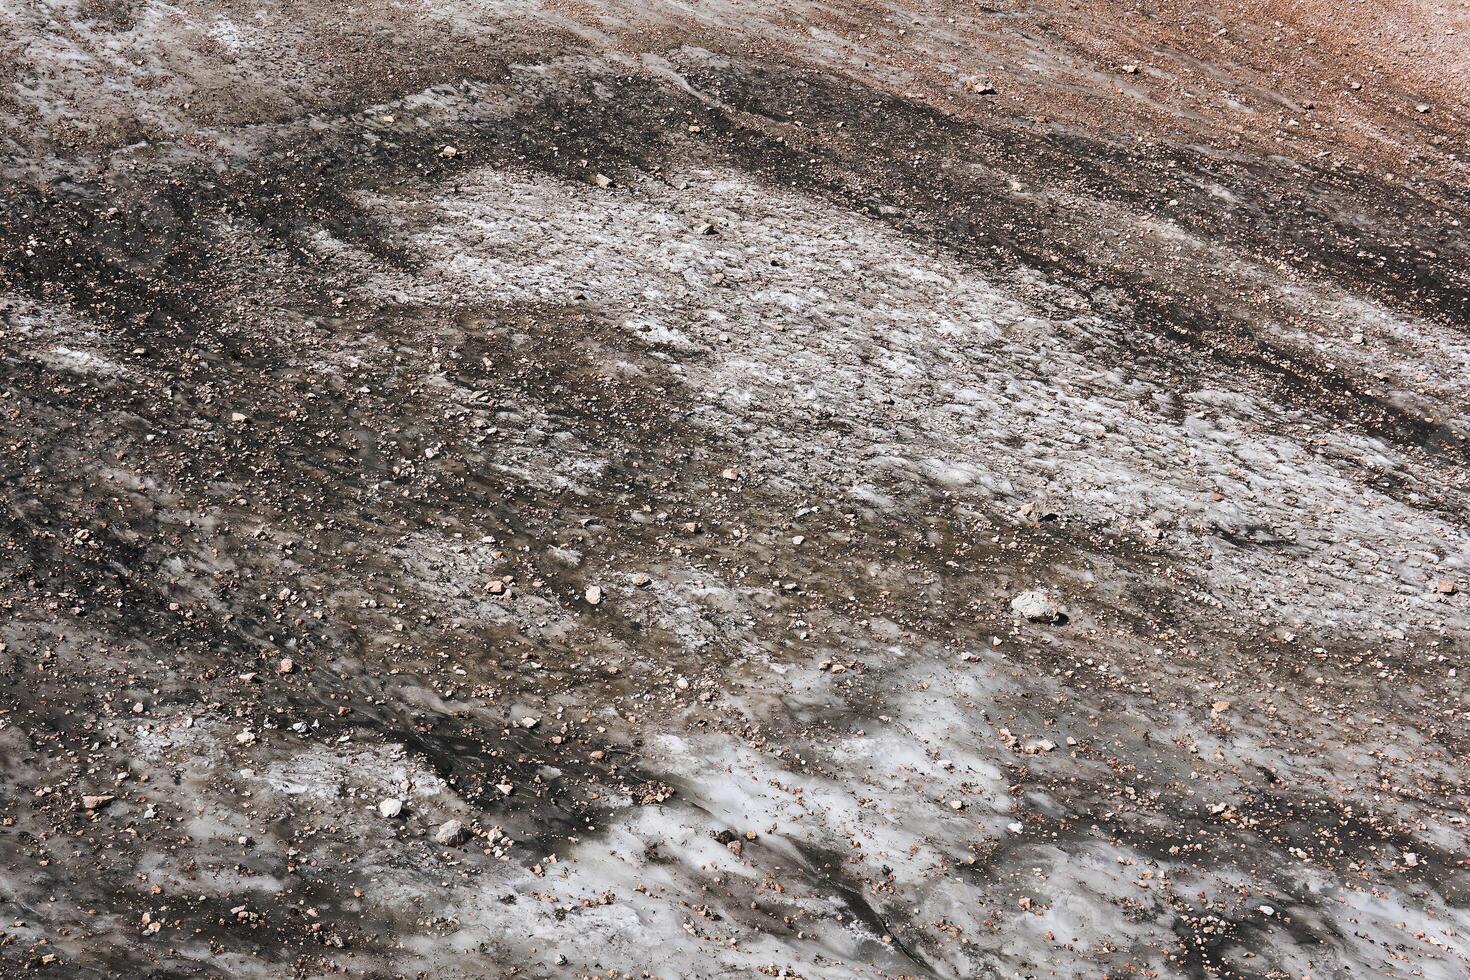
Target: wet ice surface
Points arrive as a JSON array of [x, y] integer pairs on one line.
[[663, 529]]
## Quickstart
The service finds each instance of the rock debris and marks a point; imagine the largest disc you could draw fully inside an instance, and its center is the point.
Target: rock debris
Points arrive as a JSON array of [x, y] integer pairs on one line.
[[621, 490]]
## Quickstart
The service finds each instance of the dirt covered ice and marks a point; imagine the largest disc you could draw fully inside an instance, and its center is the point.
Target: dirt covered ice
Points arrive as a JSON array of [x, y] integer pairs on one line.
[[799, 490]]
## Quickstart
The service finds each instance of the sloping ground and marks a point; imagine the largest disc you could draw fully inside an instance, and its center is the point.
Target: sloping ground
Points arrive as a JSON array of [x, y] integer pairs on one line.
[[543, 490]]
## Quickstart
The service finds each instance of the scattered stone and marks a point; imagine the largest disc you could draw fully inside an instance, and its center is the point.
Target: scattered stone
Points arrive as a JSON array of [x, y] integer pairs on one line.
[[423, 419], [1037, 606], [449, 833]]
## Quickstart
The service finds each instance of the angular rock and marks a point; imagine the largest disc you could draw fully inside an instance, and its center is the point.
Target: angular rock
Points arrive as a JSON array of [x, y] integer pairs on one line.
[[1037, 606]]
